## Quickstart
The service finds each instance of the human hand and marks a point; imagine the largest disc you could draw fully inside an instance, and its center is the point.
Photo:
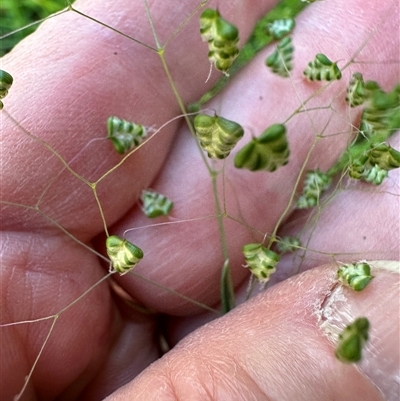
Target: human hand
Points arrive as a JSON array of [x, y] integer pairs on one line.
[[69, 78]]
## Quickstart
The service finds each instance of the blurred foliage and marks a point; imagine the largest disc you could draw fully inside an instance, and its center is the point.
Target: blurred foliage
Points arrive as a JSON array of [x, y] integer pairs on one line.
[[17, 14]]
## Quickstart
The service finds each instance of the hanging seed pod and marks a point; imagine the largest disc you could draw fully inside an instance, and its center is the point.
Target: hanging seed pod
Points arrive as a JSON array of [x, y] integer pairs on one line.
[[281, 60], [267, 152], [222, 38], [261, 261], [155, 204], [356, 93], [315, 183], [322, 69], [125, 135], [381, 116], [358, 167], [384, 156], [355, 275], [352, 340], [123, 254], [280, 27], [217, 135], [6, 81], [361, 169], [288, 244], [375, 175]]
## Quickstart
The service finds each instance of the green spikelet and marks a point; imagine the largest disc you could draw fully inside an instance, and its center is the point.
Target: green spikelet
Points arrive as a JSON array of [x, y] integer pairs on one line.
[[352, 340], [355, 91], [322, 69], [355, 275], [155, 204], [384, 156], [381, 116], [358, 167], [362, 170], [6, 81], [315, 183], [288, 244], [280, 27], [375, 175], [260, 261], [222, 38], [267, 152], [217, 135], [373, 165], [281, 60], [123, 254], [125, 135]]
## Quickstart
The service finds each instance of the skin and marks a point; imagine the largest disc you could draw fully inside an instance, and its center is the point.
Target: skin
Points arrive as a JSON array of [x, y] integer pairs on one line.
[[275, 346]]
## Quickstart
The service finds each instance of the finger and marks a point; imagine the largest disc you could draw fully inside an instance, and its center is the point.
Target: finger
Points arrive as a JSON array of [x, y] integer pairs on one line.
[[281, 344], [176, 254], [134, 348], [101, 347], [34, 285], [73, 80], [64, 90]]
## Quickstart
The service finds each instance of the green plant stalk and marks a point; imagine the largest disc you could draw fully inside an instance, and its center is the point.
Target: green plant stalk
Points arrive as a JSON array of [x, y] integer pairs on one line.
[[71, 8], [227, 292], [258, 40]]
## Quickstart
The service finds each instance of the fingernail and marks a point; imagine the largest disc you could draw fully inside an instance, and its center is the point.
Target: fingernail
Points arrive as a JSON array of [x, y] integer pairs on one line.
[[379, 302]]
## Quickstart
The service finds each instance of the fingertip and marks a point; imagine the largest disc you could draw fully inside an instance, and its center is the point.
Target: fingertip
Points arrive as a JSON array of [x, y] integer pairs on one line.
[[271, 347], [379, 303]]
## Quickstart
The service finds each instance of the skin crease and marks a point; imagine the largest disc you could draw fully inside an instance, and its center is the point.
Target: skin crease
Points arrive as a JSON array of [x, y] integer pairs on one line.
[[279, 354]]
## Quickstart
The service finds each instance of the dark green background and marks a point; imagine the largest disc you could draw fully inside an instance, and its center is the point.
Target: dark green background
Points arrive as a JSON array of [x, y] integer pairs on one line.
[[15, 14]]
